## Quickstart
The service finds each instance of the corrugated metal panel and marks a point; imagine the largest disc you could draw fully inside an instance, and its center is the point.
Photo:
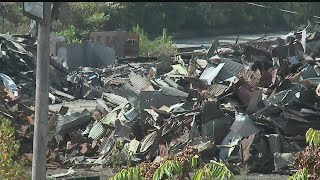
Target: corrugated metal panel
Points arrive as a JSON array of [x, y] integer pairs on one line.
[[252, 78], [244, 125], [309, 72], [202, 144], [217, 89], [97, 131], [230, 69], [159, 82], [244, 93], [127, 89], [157, 99], [131, 94], [133, 146], [173, 92], [110, 118], [166, 128], [115, 99], [107, 143], [148, 141], [65, 123], [139, 82], [171, 82], [103, 105], [77, 106], [122, 131], [115, 81], [209, 74], [131, 114], [283, 97], [254, 81]]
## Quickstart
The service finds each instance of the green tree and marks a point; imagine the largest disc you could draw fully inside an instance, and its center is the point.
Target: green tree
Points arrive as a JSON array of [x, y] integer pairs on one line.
[[12, 18], [10, 169]]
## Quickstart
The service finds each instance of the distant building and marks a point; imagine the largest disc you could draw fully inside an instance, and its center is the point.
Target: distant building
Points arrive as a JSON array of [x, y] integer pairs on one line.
[[123, 43]]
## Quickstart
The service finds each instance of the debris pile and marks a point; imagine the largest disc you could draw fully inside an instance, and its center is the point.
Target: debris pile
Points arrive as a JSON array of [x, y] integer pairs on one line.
[[243, 103]]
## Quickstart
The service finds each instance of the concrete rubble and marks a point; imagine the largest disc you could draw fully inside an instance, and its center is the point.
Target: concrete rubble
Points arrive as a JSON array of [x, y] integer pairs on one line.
[[247, 103]]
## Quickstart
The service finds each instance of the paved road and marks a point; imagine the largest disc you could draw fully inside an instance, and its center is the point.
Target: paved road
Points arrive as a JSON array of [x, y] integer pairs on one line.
[[223, 39]]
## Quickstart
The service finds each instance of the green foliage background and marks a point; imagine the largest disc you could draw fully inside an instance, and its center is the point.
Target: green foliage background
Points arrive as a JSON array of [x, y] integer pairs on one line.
[[198, 17]]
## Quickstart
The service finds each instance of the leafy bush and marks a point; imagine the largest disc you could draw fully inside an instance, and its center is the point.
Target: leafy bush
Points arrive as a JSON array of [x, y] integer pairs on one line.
[[9, 169], [308, 160], [69, 34], [161, 45]]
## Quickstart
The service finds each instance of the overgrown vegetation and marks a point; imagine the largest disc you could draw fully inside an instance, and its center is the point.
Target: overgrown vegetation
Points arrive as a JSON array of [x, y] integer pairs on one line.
[[161, 45], [308, 160], [177, 167], [9, 168]]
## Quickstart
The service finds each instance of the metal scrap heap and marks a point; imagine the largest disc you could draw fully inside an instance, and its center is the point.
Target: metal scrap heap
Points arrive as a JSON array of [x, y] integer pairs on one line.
[[248, 103]]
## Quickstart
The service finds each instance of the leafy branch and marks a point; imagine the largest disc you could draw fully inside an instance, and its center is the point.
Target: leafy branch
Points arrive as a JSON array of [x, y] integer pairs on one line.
[[214, 170], [180, 165], [169, 169], [313, 137], [128, 174]]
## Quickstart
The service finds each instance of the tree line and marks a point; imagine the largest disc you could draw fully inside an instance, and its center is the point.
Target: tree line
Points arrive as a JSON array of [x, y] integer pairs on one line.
[[184, 17]]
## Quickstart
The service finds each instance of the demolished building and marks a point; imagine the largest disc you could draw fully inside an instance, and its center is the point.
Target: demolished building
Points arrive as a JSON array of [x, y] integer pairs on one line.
[[243, 103]]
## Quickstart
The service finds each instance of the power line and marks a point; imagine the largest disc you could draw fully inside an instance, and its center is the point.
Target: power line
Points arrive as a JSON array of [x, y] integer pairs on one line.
[[282, 10]]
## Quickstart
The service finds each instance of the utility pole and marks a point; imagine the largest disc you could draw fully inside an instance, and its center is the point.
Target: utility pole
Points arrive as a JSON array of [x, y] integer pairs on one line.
[[40, 140]]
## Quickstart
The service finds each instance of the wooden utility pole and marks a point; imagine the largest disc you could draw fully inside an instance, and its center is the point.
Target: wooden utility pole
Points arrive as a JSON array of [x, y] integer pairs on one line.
[[40, 140]]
